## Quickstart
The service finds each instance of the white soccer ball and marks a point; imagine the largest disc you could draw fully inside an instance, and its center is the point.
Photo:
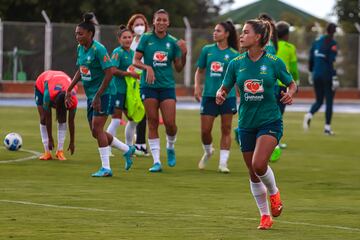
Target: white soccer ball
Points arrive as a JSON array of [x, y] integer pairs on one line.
[[13, 141]]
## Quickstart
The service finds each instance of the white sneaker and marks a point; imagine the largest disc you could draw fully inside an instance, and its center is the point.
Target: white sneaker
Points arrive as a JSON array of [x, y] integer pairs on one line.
[[204, 159], [307, 120], [223, 169]]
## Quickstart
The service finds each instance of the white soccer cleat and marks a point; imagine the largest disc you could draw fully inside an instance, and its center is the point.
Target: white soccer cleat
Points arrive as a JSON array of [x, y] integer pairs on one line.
[[223, 169], [204, 159], [307, 120]]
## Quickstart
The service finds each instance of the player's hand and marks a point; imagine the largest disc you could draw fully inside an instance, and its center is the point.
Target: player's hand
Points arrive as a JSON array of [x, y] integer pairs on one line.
[[150, 75], [51, 144], [220, 96], [96, 103], [68, 100], [182, 45], [197, 93], [134, 75], [286, 98], [71, 148]]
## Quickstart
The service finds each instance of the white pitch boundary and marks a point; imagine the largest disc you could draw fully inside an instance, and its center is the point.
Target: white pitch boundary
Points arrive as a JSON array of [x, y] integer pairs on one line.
[[35, 155], [178, 215]]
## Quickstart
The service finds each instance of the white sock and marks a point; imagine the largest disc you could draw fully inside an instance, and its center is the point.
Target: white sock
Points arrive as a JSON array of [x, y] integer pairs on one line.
[[309, 115], [328, 127], [258, 190], [114, 124], [61, 135], [116, 143], [44, 137], [224, 156], [208, 148], [269, 181], [155, 149], [104, 156], [130, 132], [170, 141]]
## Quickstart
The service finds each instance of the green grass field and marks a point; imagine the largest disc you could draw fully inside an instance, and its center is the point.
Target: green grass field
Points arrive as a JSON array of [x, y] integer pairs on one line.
[[318, 177]]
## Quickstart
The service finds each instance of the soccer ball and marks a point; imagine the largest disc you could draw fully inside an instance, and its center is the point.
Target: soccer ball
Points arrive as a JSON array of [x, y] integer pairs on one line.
[[13, 141]]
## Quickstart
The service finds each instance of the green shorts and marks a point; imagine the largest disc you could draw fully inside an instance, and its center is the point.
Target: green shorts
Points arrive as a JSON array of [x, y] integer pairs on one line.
[[107, 107]]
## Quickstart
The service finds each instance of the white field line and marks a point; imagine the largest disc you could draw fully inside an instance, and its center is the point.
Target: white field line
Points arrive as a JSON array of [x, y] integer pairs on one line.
[[180, 215], [35, 155]]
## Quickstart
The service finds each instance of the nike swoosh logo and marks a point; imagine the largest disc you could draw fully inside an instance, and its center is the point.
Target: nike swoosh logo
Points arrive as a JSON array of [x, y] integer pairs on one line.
[[272, 132]]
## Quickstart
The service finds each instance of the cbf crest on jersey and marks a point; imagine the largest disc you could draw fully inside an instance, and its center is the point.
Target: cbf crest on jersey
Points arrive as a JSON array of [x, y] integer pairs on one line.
[[160, 58], [226, 57], [216, 69], [168, 45], [263, 69]]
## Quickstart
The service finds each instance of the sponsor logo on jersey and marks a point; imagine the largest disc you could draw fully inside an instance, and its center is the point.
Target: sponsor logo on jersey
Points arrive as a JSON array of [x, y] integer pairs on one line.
[[85, 73], [216, 69], [253, 86], [160, 59]]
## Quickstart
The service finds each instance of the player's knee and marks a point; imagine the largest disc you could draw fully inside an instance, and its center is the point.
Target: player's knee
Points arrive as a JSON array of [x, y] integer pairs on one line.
[[95, 132], [259, 167], [226, 130]]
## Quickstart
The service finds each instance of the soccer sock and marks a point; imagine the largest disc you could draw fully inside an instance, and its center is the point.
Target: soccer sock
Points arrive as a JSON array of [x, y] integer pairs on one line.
[[224, 156], [129, 132], [155, 149], [258, 190], [208, 149], [269, 181], [141, 132], [61, 135], [140, 145], [309, 115], [104, 156], [114, 124], [170, 141], [116, 143], [44, 137], [328, 127]]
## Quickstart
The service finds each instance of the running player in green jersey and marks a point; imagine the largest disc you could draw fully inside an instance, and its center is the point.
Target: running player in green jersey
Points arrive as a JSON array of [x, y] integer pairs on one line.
[[122, 58], [95, 72], [286, 52], [255, 73], [212, 65], [160, 50]]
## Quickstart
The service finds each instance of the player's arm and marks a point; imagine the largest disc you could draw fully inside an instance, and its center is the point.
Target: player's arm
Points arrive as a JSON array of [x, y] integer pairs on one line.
[[120, 73], [150, 75], [180, 61], [227, 84], [199, 75], [74, 81], [71, 123]]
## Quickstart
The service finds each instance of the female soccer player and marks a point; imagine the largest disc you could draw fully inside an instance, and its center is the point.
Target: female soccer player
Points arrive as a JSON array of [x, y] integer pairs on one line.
[[160, 50], [255, 72], [95, 71], [122, 58], [321, 65], [212, 63], [138, 25], [50, 89]]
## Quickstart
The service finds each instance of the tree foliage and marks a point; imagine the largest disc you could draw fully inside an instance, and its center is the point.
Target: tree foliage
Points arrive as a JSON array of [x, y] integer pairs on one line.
[[348, 12], [200, 12]]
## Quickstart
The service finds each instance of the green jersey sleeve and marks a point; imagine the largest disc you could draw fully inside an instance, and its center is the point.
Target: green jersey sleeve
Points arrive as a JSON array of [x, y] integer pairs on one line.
[[104, 58], [178, 52], [115, 58], [201, 63], [142, 43], [281, 72], [230, 77]]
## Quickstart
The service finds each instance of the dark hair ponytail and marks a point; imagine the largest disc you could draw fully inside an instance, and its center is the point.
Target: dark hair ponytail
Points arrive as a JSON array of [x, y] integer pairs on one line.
[[274, 36], [233, 37], [263, 28], [122, 29], [88, 23]]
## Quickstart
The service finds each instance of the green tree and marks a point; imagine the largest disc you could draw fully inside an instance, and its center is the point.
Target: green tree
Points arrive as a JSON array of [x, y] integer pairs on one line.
[[348, 12]]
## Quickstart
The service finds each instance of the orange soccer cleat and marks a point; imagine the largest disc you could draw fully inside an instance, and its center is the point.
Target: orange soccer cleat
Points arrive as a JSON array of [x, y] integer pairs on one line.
[[276, 204], [46, 156], [265, 222], [60, 155]]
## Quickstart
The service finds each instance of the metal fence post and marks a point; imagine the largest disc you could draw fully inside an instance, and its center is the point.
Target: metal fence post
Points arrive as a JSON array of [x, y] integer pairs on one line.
[[15, 63], [48, 41], [1, 49], [357, 25], [188, 38]]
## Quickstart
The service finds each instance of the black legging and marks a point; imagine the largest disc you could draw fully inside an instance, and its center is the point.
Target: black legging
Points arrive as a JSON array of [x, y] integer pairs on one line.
[[141, 131], [323, 89]]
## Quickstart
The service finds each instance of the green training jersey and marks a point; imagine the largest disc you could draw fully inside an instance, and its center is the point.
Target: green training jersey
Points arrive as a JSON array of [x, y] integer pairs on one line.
[[92, 63], [215, 62], [287, 53], [270, 48], [159, 53], [256, 82], [121, 59]]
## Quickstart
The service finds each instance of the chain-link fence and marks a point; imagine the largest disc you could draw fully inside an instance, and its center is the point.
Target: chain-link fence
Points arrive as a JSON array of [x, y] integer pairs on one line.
[[23, 50]]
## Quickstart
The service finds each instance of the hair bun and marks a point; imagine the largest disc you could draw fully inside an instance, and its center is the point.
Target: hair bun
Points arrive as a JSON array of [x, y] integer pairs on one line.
[[122, 27], [88, 17]]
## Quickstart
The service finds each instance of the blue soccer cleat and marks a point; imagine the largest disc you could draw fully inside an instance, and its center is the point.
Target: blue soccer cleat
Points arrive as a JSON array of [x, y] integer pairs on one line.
[[128, 157], [171, 158], [103, 172], [155, 168]]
